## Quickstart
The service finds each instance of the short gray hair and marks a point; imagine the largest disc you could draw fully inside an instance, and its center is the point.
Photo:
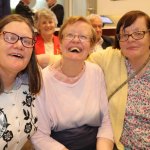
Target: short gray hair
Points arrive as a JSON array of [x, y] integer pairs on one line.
[[91, 17], [45, 12]]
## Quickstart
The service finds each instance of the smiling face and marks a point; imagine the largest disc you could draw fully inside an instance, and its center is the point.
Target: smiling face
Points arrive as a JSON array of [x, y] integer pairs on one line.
[[15, 57], [46, 26], [136, 49], [76, 41]]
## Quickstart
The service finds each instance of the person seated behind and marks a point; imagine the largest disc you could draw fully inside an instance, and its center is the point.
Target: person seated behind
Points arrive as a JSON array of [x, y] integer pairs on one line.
[[47, 43], [4, 8], [58, 10], [73, 106], [23, 9], [102, 41]]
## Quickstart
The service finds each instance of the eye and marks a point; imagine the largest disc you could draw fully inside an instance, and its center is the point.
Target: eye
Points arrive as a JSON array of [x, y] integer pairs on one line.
[[27, 41], [139, 33], [84, 37], [10, 37], [69, 35]]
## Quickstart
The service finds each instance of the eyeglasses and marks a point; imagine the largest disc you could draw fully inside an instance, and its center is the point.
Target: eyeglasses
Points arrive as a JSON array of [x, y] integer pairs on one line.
[[82, 38], [13, 38], [135, 35]]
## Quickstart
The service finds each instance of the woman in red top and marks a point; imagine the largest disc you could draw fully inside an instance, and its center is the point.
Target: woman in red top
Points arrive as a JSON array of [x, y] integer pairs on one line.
[[47, 43]]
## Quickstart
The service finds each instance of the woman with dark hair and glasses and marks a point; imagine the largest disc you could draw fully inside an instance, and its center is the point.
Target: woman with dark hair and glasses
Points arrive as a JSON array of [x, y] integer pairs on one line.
[[20, 81], [127, 74], [72, 105]]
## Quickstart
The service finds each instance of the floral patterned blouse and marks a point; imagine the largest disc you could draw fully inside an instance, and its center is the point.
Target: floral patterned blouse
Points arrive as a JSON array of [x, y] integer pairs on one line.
[[136, 130], [17, 116]]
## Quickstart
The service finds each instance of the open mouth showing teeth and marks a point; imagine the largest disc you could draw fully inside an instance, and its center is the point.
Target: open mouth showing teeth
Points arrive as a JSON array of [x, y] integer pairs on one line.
[[75, 50], [17, 55]]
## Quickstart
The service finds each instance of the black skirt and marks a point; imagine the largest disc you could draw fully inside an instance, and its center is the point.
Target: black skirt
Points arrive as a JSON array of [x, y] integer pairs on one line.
[[81, 138]]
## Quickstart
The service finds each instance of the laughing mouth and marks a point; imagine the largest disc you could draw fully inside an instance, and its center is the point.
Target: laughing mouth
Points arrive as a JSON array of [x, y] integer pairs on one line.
[[75, 50], [17, 55]]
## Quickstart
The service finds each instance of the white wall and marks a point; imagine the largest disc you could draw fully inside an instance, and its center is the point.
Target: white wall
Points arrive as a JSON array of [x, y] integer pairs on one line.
[[119, 7]]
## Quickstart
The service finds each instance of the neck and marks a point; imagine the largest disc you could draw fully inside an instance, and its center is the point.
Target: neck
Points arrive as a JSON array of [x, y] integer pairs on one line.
[[71, 68], [137, 63], [48, 38], [7, 82]]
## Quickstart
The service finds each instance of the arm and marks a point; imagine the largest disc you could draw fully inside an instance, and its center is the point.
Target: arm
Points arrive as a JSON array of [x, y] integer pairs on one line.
[[45, 59], [104, 144], [42, 139], [105, 134]]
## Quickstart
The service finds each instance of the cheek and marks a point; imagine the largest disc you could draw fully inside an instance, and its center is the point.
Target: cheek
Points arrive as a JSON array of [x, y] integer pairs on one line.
[[28, 53], [122, 45], [88, 48]]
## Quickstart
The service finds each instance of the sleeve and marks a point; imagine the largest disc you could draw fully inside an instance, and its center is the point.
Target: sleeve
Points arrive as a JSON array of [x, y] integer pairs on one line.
[[42, 139], [105, 130]]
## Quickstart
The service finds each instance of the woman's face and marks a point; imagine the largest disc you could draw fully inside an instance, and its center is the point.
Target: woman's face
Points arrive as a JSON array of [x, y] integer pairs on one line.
[[76, 42], [136, 49], [46, 26], [14, 57]]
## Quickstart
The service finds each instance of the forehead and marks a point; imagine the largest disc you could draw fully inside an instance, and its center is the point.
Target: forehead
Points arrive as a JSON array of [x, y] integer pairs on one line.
[[79, 27], [46, 18], [23, 28], [96, 21], [138, 24]]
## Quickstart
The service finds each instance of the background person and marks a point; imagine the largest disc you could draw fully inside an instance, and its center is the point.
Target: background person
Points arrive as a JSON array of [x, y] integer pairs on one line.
[[19, 82], [102, 41], [47, 44], [129, 105], [4, 8], [72, 110], [58, 10], [23, 9]]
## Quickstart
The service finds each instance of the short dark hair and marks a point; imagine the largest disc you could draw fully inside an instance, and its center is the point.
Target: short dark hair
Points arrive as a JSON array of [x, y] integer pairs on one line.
[[32, 69], [128, 19]]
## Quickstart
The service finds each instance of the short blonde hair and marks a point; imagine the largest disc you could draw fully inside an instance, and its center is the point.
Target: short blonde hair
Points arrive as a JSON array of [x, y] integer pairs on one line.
[[45, 12], [74, 19]]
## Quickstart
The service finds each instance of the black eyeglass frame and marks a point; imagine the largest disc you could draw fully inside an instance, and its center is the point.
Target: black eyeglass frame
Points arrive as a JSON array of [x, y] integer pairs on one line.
[[128, 35], [18, 38]]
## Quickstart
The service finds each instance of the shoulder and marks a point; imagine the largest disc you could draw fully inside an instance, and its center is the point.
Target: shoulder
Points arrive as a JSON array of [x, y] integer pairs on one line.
[[105, 56], [93, 67], [59, 5], [55, 38]]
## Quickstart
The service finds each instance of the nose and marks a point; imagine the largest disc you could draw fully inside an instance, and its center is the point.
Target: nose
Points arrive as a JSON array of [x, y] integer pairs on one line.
[[130, 38], [76, 38], [18, 44]]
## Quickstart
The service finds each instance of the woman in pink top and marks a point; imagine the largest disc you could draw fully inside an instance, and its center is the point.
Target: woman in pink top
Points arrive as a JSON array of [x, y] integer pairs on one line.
[[72, 106]]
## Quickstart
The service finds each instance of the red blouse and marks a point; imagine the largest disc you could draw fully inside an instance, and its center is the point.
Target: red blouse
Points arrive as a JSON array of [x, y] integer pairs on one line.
[[39, 46]]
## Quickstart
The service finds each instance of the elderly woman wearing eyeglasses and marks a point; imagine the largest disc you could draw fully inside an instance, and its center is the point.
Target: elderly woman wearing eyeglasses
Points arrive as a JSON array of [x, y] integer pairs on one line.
[[19, 82], [73, 106], [127, 74]]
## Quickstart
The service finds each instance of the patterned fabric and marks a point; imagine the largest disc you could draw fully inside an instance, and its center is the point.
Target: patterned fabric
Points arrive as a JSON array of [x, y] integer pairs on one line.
[[17, 116], [136, 132]]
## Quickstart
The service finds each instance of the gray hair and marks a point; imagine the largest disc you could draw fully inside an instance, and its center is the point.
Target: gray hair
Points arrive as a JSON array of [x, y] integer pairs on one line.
[[45, 12], [91, 17]]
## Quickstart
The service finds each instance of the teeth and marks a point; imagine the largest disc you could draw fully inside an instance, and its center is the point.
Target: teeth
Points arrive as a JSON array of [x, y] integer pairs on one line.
[[75, 49], [17, 55]]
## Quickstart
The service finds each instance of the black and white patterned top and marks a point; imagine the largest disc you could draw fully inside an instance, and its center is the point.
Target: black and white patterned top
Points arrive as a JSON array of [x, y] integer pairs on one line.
[[17, 116]]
